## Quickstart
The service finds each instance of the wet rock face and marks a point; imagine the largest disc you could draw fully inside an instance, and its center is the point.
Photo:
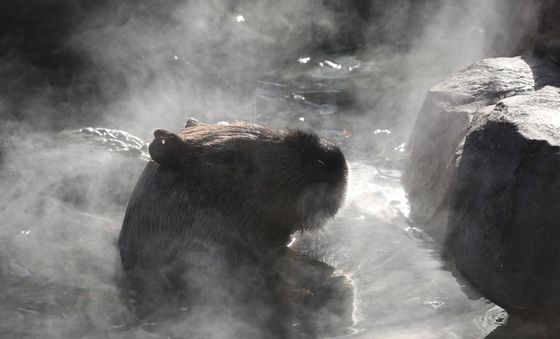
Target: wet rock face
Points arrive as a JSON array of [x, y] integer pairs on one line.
[[504, 204], [484, 176], [548, 40], [443, 121]]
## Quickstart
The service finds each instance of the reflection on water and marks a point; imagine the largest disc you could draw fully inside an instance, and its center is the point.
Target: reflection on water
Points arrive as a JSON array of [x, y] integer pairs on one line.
[[62, 207], [401, 289]]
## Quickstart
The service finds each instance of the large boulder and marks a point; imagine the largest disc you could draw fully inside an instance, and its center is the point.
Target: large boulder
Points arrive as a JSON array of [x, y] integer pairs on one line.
[[505, 204], [483, 176], [443, 121]]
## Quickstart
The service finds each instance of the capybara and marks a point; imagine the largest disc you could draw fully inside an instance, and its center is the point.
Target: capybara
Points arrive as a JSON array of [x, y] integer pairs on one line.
[[217, 195]]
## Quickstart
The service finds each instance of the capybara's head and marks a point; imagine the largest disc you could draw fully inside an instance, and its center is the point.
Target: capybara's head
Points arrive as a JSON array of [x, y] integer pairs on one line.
[[231, 186]]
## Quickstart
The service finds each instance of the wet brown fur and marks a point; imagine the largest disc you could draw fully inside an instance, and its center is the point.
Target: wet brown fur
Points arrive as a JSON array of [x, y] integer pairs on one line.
[[226, 195]]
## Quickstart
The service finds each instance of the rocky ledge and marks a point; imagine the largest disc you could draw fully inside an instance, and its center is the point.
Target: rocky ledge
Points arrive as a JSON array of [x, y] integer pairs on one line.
[[484, 176]]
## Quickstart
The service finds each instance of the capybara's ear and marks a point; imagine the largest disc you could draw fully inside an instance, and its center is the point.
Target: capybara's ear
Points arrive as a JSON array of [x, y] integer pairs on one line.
[[165, 148], [191, 122]]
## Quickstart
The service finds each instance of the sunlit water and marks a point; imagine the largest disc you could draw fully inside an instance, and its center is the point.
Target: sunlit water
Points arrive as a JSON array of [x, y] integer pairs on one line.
[[402, 290], [59, 265]]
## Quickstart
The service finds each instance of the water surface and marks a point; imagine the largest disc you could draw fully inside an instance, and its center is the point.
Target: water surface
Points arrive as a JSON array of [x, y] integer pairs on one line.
[[63, 199]]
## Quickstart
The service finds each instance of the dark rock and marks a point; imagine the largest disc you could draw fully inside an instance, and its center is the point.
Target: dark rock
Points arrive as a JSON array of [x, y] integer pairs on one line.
[[518, 328], [548, 36], [483, 175], [443, 121], [504, 204], [513, 29]]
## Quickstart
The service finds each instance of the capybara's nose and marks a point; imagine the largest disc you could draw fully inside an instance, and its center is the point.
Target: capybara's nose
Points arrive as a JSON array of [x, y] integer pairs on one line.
[[329, 164]]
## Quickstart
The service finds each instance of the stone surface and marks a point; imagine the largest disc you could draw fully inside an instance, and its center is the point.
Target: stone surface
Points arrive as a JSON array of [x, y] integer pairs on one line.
[[442, 123], [548, 35], [505, 203], [484, 176]]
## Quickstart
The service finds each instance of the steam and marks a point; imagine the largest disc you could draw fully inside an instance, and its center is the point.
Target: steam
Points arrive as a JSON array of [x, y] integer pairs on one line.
[[346, 68], [194, 58]]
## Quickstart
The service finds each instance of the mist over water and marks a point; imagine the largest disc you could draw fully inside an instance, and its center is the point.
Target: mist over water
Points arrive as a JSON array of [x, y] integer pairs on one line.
[[354, 71]]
